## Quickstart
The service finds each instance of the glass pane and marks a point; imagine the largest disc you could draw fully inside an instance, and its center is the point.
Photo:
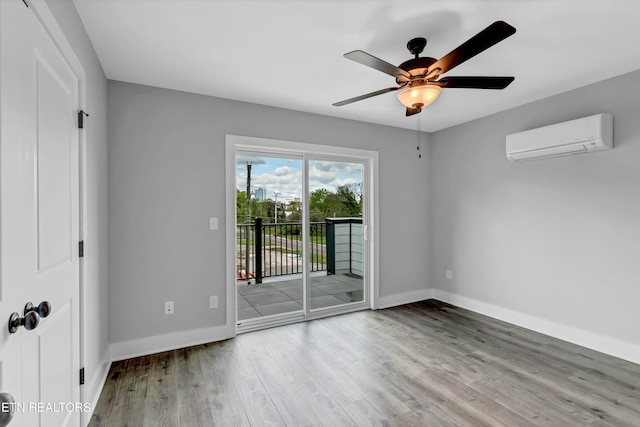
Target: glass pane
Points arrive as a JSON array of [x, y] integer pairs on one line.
[[336, 240], [268, 235]]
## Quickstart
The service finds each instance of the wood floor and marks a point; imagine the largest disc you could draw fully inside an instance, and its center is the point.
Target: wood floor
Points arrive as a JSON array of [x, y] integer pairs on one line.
[[422, 364]]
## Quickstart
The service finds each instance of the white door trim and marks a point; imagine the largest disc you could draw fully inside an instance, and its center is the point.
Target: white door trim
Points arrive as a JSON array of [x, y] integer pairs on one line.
[[52, 28], [236, 143]]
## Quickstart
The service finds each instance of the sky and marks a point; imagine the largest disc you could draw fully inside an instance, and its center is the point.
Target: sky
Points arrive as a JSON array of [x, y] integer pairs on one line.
[[284, 175]]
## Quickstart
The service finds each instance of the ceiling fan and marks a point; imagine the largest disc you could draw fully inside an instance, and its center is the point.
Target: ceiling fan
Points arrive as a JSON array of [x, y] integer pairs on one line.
[[418, 78]]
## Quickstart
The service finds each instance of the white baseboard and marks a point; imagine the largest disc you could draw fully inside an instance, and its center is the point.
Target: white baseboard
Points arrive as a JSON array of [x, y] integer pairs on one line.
[[404, 298], [171, 341], [604, 344], [94, 389]]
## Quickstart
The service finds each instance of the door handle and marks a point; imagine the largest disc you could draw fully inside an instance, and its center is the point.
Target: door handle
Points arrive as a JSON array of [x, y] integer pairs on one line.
[[7, 408], [31, 317], [29, 321], [43, 309]]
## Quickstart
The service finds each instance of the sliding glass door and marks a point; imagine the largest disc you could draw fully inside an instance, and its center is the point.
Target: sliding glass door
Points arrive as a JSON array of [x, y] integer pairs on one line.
[[336, 233], [269, 249], [300, 229]]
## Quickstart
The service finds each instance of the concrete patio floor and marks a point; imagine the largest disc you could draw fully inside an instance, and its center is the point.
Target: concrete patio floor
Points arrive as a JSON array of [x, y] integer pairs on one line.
[[284, 294]]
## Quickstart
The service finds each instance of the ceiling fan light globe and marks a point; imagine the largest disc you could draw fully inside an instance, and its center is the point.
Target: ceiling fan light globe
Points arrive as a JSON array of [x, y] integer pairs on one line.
[[423, 94]]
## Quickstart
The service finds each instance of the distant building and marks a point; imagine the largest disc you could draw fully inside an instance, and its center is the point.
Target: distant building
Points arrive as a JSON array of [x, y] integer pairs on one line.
[[261, 194]]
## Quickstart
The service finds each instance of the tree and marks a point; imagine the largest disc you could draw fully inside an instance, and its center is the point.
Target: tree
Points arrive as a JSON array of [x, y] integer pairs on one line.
[[241, 206], [258, 209], [294, 206], [316, 216], [347, 196], [268, 209], [345, 202], [318, 200], [295, 217]]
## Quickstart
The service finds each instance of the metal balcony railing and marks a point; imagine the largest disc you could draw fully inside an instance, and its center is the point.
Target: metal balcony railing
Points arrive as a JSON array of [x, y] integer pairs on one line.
[[270, 249]]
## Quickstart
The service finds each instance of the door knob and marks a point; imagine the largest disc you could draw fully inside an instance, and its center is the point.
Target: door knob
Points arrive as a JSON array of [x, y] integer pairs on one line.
[[31, 317], [29, 321], [43, 309], [7, 408]]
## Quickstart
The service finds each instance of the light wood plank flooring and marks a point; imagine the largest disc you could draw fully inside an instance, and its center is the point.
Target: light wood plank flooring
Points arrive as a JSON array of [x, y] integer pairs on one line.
[[422, 364]]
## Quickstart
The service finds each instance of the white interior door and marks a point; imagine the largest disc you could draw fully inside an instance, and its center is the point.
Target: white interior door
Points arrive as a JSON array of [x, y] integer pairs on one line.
[[39, 217]]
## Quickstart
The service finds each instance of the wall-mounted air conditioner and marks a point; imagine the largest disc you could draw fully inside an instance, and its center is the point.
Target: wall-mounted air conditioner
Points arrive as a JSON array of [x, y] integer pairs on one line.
[[584, 135]]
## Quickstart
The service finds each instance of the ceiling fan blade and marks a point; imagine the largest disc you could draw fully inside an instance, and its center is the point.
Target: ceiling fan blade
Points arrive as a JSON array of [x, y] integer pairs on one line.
[[474, 82], [368, 95], [376, 63], [482, 41]]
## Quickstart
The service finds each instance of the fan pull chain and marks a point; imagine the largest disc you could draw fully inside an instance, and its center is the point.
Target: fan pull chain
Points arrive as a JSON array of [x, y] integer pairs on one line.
[[418, 139]]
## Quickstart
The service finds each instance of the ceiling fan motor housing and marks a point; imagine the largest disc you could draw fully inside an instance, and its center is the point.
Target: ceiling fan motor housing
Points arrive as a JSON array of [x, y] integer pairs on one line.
[[416, 67]]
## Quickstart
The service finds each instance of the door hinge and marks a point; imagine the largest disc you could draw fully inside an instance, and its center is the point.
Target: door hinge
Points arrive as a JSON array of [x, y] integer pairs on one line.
[[81, 115], [82, 376], [81, 249]]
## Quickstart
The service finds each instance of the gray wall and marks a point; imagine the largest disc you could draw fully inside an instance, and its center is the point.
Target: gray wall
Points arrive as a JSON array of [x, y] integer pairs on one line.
[[557, 239], [167, 177], [96, 354]]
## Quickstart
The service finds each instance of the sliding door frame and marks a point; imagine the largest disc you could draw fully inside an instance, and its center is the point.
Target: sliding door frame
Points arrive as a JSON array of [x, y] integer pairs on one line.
[[308, 152]]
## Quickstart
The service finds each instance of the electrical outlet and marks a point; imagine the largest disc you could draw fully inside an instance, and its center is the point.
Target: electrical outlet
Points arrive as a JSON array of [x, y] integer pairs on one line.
[[213, 301], [168, 307], [449, 275]]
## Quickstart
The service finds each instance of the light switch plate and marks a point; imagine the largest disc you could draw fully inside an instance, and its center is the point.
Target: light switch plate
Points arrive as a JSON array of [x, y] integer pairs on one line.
[[213, 223]]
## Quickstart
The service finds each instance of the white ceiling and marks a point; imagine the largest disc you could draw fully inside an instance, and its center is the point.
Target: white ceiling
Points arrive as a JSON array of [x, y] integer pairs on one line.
[[288, 53]]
